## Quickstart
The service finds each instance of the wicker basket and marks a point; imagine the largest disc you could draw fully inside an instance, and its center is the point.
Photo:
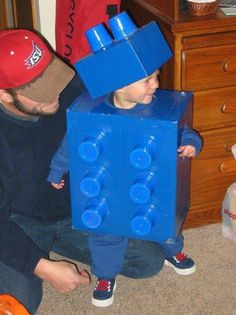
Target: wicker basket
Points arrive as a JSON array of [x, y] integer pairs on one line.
[[203, 8]]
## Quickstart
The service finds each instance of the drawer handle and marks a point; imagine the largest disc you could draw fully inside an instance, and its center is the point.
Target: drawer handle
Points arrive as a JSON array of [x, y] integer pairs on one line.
[[228, 109], [228, 166], [229, 66]]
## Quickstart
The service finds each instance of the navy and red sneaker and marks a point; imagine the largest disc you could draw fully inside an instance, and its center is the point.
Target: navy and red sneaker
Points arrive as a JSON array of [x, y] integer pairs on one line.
[[181, 263], [103, 292]]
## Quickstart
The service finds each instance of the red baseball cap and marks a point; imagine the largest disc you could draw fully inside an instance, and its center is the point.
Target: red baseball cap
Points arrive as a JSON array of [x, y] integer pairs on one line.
[[30, 68]]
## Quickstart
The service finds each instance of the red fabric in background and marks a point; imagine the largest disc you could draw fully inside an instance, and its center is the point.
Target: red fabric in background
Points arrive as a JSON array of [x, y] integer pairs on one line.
[[73, 18]]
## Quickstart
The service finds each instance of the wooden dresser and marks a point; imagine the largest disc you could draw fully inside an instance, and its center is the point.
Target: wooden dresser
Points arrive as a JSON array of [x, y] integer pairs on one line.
[[204, 62]]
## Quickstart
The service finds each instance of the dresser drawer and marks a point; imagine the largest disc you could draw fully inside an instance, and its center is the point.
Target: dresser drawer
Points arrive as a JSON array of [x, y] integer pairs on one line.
[[214, 109], [217, 144], [209, 40], [209, 67], [213, 171]]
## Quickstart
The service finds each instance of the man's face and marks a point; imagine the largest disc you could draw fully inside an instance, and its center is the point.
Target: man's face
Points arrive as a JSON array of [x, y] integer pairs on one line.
[[141, 91], [30, 107]]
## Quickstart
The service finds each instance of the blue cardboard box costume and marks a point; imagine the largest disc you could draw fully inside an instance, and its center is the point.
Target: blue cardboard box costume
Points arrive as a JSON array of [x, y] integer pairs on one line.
[[126, 177]]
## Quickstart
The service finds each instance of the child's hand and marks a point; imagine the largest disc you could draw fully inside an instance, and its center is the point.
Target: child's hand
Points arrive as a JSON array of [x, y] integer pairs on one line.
[[58, 186], [186, 151]]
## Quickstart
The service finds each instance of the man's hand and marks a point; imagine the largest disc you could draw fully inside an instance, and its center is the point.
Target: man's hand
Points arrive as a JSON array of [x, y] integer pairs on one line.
[[62, 275]]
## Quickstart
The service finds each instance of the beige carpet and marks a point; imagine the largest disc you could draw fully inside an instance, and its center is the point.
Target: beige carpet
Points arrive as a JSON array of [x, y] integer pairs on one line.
[[211, 290]]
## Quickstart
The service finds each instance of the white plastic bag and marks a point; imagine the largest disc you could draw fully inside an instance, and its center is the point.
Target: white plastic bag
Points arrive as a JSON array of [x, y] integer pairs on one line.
[[229, 213]]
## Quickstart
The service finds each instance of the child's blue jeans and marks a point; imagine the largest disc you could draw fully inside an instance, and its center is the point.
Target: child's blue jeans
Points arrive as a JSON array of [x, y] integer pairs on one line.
[[108, 253]]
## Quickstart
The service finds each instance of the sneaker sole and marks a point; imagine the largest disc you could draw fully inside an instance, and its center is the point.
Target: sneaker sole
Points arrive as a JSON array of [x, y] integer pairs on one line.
[[104, 303], [182, 272]]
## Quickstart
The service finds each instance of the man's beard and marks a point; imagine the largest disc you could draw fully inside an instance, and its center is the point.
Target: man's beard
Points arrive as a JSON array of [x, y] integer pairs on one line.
[[34, 112]]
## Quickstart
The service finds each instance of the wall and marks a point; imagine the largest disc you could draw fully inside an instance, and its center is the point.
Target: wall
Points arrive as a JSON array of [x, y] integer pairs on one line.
[[46, 19]]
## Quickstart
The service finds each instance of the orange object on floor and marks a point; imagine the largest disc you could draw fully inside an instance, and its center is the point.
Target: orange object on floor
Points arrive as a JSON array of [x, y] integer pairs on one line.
[[10, 306]]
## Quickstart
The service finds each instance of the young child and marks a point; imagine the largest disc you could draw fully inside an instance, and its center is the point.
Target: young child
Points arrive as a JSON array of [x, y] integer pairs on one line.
[[108, 251], [135, 96]]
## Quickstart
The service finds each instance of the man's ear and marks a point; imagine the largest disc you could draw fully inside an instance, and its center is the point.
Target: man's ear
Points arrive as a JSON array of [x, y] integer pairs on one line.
[[5, 97]]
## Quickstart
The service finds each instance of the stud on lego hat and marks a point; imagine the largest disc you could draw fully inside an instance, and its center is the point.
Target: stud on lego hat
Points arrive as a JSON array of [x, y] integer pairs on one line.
[[28, 66], [131, 55]]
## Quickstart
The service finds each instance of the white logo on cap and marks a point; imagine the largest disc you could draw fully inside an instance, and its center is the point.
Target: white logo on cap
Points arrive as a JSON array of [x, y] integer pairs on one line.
[[35, 57]]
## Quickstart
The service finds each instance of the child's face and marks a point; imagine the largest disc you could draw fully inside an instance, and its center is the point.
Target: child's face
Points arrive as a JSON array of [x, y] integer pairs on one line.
[[141, 91]]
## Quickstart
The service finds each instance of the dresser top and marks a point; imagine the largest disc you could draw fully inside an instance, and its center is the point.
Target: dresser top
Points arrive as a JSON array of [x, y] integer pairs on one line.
[[187, 21], [146, 10]]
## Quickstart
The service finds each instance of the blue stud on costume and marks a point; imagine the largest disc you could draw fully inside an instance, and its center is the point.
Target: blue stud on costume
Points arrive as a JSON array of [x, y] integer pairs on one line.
[[133, 54]]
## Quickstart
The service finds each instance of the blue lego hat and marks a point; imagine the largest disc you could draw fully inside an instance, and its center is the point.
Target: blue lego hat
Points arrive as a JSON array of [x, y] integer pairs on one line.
[[131, 55]]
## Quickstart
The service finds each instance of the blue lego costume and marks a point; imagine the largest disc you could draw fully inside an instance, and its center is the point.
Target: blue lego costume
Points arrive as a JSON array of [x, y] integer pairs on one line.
[[152, 199]]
